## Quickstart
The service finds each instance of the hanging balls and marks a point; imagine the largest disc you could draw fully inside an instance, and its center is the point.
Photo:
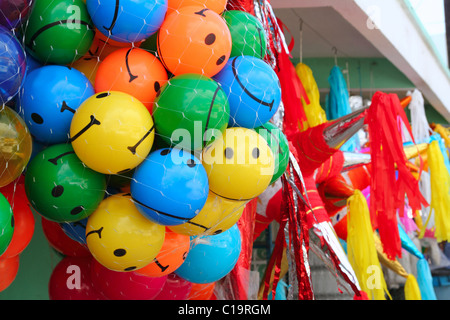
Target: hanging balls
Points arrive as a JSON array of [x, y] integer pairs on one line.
[[194, 40], [170, 187], [190, 111], [240, 165], [247, 34], [127, 20], [60, 187], [172, 255], [253, 91], [8, 269], [217, 6], [50, 97], [13, 65], [120, 238], [112, 132], [58, 32], [15, 145], [6, 224], [133, 71], [175, 288], [217, 215], [211, 257], [279, 145]]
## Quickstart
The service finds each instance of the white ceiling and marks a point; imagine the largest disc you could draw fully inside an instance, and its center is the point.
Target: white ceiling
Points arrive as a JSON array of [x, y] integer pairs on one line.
[[323, 29]]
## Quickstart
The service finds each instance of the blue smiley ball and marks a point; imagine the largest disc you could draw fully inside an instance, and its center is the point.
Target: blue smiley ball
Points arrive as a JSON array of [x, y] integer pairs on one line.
[[210, 258], [127, 20], [49, 98], [75, 230], [170, 187], [253, 91]]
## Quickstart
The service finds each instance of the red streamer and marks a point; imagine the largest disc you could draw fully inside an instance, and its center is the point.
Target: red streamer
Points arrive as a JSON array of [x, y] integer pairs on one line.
[[388, 157]]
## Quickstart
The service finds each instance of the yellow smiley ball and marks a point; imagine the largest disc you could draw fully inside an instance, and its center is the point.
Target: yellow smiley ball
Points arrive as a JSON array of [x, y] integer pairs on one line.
[[217, 215], [239, 165], [120, 238], [112, 132]]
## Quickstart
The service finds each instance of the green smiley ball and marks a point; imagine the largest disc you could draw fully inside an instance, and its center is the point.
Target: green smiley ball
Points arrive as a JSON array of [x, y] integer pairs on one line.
[[279, 145], [247, 34], [59, 31], [60, 187], [190, 111], [6, 224]]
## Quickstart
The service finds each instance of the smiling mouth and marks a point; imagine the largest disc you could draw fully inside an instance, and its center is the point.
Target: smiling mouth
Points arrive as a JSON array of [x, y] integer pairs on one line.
[[159, 212]]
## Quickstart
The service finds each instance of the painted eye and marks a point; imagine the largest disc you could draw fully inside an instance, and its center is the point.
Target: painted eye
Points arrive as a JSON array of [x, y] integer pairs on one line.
[[102, 95], [37, 118], [228, 152], [210, 39], [255, 153], [57, 191], [157, 86], [191, 163], [120, 252], [165, 152]]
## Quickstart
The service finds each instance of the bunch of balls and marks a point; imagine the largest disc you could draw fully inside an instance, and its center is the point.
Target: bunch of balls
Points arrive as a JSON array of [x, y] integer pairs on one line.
[[151, 129]]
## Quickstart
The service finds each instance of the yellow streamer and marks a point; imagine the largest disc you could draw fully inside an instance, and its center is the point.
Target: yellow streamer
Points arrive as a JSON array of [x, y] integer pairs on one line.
[[314, 112], [362, 252], [440, 192], [412, 290]]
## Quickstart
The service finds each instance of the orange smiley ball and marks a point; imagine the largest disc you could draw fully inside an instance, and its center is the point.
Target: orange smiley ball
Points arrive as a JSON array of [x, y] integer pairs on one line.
[[172, 254], [134, 71], [194, 40]]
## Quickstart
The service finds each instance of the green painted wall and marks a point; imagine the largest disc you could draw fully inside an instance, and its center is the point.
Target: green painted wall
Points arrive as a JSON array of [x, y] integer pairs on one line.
[[35, 267]]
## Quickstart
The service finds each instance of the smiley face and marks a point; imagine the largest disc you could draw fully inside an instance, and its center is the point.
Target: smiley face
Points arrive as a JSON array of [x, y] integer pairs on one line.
[[194, 39], [240, 165], [134, 71], [112, 132], [120, 238], [60, 187]]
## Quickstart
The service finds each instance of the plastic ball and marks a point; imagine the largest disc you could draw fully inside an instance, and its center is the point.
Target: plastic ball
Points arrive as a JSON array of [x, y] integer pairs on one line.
[[59, 32], [190, 111], [127, 20], [13, 65], [253, 91], [211, 257], [279, 145], [6, 224], [170, 187], [13, 12], [62, 243], [172, 255], [15, 145], [112, 132], [71, 280], [76, 230], [50, 97], [60, 187], [240, 165], [217, 6], [8, 269], [133, 71], [116, 285], [194, 40], [87, 65], [201, 291], [120, 238], [175, 288], [23, 218], [247, 34], [217, 215]]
